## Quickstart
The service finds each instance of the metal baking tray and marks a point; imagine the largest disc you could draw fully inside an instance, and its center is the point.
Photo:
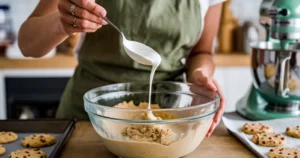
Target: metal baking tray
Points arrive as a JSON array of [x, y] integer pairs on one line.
[[60, 129]]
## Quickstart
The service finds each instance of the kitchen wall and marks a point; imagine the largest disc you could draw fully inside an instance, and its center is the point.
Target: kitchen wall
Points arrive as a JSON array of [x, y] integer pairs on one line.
[[20, 10]]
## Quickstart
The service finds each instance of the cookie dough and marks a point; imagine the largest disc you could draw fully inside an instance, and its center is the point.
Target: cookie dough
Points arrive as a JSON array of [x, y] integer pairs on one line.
[[149, 133], [270, 70], [254, 128], [144, 105], [38, 140], [284, 153], [8, 137], [293, 84], [293, 131], [28, 153], [269, 139], [2, 150]]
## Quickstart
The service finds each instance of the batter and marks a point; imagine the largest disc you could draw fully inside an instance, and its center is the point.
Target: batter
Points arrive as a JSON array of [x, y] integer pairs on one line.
[[144, 141]]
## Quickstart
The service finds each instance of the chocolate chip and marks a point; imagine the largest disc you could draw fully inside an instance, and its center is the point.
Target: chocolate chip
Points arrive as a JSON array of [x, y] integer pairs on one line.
[[280, 152], [289, 153], [246, 128], [252, 130], [296, 157], [282, 138], [272, 150], [24, 157], [27, 145], [26, 152], [43, 141], [38, 152], [270, 138], [42, 156], [264, 142], [9, 134], [41, 136]]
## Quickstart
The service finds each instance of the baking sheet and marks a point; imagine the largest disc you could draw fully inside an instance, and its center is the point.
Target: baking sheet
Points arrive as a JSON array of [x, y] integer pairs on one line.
[[10, 147], [60, 129], [234, 123]]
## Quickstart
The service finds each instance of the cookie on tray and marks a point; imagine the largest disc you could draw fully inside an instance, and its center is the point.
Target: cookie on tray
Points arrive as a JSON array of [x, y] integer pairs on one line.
[[38, 141], [269, 139], [254, 128], [293, 131], [2, 150], [284, 153], [28, 153], [8, 137]]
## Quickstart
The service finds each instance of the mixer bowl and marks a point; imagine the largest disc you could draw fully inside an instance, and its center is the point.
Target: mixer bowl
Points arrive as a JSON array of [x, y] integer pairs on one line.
[[276, 74], [192, 107]]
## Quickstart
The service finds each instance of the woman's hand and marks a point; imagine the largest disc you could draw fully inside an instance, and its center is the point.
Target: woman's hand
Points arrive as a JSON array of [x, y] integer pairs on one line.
[[201, 77], [80, 16]]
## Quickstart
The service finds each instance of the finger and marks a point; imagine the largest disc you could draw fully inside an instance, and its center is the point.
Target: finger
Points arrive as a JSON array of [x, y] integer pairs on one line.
[[219, 89], [85, 14], [211, 129], [206, 81], [220, 112], [65, 6], [81, 23], [72, 30], [91, 6]]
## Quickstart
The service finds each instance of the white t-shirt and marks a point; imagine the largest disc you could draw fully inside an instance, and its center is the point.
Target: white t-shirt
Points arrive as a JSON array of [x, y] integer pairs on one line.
[[204, 4]]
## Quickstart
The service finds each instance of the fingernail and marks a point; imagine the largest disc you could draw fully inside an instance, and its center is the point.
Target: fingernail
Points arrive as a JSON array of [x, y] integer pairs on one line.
[[212, 85], [103, 12], [104, 22]]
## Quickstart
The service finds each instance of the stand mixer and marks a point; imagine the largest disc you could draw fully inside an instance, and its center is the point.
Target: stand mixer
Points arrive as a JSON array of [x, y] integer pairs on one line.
[[275, 64]]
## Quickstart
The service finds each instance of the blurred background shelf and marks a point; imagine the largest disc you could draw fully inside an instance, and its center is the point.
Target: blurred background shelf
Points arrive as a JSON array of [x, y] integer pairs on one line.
[[61, 60]]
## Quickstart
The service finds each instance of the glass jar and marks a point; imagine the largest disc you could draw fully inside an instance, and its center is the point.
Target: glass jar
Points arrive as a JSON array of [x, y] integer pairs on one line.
[[7, 35]]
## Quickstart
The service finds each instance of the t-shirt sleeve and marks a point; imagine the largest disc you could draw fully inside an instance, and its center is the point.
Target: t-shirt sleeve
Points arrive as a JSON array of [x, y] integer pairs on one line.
[[213, 2]]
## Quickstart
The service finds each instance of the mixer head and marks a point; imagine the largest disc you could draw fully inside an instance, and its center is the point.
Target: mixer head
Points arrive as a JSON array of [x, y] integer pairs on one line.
[[285, 15]]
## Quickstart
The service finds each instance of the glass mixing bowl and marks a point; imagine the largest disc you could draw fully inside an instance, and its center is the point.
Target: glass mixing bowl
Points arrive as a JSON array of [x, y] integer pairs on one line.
[[186, 110]]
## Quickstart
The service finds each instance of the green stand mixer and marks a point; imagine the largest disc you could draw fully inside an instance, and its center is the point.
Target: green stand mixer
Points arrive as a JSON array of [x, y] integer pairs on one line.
[[275, 64]]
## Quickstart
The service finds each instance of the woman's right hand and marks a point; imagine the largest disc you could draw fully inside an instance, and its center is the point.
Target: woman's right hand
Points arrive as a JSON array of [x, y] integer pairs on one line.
[[80, 16]]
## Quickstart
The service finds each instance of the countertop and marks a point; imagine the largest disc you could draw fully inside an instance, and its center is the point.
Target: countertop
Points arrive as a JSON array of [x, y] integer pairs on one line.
[[63, 61], [86, 143]]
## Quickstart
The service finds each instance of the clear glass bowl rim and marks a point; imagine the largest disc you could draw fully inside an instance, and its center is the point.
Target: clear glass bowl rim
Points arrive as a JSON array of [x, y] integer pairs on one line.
[[216, 100]]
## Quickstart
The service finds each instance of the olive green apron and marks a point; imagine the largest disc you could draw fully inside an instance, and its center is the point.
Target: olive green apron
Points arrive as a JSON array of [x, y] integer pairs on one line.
[[171, 27]]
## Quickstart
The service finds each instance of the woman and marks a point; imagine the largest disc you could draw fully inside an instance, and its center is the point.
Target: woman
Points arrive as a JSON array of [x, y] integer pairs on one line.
[[174, 28]]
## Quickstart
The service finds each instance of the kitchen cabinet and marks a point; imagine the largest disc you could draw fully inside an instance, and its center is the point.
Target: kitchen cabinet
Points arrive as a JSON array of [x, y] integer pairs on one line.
[[235, 83]]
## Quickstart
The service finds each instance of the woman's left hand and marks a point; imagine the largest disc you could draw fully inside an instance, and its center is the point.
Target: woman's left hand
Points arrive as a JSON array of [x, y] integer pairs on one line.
[[201, 77]]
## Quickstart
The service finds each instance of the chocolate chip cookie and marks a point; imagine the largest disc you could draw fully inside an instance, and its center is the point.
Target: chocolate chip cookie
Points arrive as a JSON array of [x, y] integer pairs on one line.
[[293, 131], [2, 150], [8, 137], [284, 153], [28, 153], [254, 128], [38, 140], [269, 139]]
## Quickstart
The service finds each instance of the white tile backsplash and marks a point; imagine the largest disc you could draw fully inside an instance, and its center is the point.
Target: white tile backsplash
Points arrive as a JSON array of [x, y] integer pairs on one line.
[[20, 10]]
